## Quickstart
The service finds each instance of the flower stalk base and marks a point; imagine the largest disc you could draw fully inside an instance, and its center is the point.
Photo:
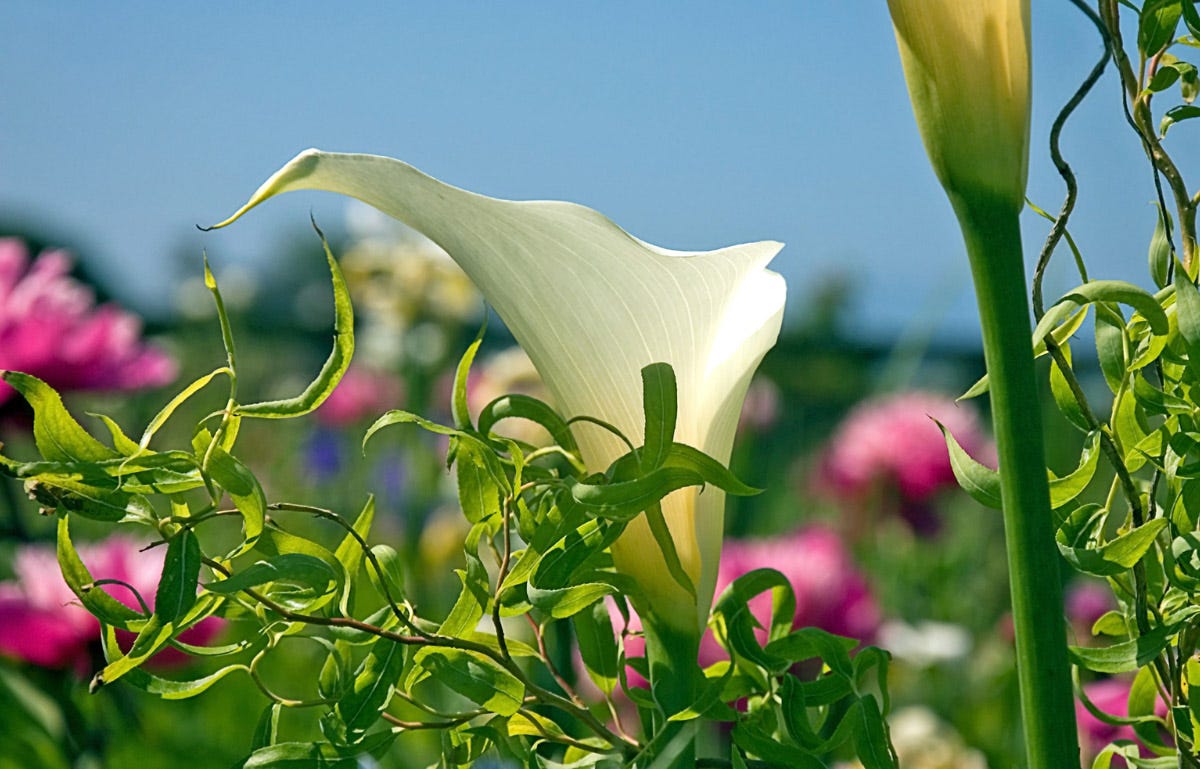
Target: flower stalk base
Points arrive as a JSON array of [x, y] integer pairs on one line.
[[992, 233]]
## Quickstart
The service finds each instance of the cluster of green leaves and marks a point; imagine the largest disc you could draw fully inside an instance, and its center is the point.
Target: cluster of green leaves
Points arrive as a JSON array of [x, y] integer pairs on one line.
[[537, 551], [791, 719], [1141, 535]]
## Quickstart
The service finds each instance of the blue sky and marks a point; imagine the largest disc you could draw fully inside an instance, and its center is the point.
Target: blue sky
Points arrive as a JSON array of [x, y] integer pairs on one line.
[[693, 125]]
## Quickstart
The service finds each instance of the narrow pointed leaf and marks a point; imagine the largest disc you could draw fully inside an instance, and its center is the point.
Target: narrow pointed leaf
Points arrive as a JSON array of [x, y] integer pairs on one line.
[[660, 405], [978, 480], [477, 678], [176, 593], [335, 365], [57, 435]]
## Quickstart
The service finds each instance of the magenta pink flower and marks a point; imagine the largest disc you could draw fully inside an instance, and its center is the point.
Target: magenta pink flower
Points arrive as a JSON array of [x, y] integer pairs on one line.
[[50, 327], [41, 621], [894, 440], [831, 594], [1110, 695], [363, 393]]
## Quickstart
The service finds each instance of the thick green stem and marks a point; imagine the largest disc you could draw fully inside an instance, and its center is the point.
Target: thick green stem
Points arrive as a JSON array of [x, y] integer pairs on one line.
[[993, 238], [674, 681]]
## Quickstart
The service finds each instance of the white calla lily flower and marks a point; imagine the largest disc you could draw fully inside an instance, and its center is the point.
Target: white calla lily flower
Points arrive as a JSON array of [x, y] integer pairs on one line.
[[592, 305]]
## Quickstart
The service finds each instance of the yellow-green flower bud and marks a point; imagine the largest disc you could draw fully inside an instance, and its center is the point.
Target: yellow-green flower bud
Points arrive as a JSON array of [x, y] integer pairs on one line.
[[967, 67]]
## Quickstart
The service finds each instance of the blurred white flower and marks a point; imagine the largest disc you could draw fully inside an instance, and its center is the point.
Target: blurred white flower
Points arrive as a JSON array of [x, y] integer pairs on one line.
[[926, 643]]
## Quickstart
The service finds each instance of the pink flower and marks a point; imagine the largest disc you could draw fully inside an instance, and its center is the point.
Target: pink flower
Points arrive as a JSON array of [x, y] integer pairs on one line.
[[1110, 695], [362, 393], [1086, 601], [892, 446], [894, 440], [41, 621], [831, 594], [51, 328]]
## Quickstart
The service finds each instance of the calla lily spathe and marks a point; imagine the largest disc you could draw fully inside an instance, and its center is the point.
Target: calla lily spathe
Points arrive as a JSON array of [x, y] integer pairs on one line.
[[967, 67], [592, 305]]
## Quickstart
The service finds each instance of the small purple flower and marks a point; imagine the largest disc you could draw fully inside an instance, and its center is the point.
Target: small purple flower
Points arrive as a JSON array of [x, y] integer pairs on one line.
[[41, 621], [50, 327]]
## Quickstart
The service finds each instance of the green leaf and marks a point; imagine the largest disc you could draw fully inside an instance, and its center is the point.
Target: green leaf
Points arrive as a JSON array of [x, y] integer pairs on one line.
[[458, 403], [813, 643], [1177, 115], [1182, 562], [57, 435], [519, 406], [666, 544], [163, 415], [1155, 401], [1163, 79], [64, 494], [1064, 398], [479, 491], [475, 677], [245, 491], [598, 645], [121, 442], [1112, 345], [624, 500], [350, 554], [660, 405], [374, 682], [1067, 488], [476, 591], [1078, 542], [554, 586], [267, 731], [484, 453], [979, 481], [735, 624], [392, 566], [169, 689], [335, 365], [1102, 291], [710, 470], [106, 608], [299, 755], [871, 736], [1156, 25], [1160, 246], [1123, 657], [1187, 311], [1190, 17], [180, 575], [307, 571], [152, 639]]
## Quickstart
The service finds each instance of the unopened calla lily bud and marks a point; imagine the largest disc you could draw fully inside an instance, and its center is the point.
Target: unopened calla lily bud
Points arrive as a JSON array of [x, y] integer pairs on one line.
[[967, 67]]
